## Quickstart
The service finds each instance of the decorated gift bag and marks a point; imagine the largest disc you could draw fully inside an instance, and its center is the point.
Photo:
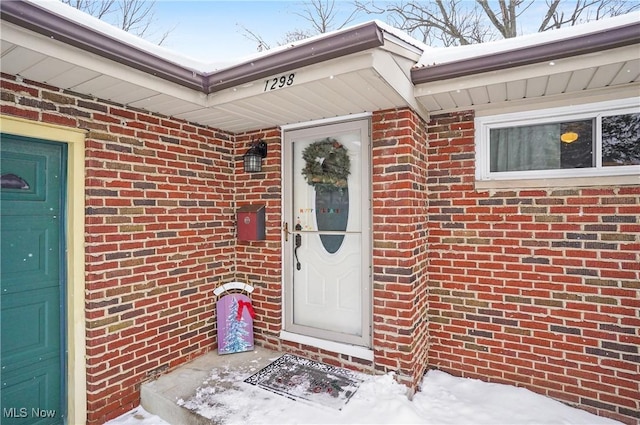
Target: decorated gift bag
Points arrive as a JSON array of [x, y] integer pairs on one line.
[[235, 318]]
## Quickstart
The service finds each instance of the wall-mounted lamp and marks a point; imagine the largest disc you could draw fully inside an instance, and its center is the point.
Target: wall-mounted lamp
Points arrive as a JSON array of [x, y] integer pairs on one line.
[[253, 157]]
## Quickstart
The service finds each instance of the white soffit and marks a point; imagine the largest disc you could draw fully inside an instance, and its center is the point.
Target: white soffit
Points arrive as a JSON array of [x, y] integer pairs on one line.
[[365, 81], [579, 74]]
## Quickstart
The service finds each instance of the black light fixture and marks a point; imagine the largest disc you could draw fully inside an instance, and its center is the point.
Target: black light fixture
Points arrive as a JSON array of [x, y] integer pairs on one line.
[[253, 157]]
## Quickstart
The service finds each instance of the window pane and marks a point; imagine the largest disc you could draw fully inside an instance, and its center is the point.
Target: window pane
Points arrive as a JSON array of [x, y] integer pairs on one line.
[[621, 140], [542, 146], [578, 152]]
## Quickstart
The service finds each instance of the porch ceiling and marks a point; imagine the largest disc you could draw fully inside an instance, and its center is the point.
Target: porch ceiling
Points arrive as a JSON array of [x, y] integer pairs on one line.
[[347, 85], [576, 76]]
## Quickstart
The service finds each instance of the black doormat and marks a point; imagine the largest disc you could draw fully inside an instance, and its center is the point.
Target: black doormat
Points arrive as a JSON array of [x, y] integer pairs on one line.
[[302, 379]]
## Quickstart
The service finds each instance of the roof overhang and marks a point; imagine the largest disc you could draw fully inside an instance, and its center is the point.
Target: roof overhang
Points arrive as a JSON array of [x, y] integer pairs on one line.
[[580, 45], [358, 69], [584, 65]]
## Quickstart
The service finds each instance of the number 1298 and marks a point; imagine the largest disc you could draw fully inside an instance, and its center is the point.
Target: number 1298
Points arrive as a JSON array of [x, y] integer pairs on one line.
[[279, 82]]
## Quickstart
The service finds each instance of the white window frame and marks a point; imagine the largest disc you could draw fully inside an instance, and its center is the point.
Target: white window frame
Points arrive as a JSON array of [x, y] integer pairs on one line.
[[484, 125]]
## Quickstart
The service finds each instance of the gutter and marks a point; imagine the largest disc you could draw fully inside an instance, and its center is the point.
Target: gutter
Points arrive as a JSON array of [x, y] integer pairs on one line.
[[581, 45], [335, 45], [41, 21], [353, 40]]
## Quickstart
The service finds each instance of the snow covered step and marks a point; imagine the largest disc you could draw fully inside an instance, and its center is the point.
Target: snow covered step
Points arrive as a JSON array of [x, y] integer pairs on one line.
[[166, 395]]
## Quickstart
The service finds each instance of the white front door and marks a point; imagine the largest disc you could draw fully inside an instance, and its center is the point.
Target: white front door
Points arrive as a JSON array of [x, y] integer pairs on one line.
[[326, 234]]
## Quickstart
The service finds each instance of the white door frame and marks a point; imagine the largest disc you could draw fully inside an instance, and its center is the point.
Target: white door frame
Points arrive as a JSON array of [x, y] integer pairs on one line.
[[320, 129]]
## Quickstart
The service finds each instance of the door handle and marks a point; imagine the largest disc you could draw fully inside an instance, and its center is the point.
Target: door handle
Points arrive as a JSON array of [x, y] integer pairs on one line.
[[298, 245]]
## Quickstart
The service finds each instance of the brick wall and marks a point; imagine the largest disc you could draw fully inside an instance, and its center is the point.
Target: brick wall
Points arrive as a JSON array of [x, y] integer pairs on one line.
[[538, 288], [399, 244], [159, 237], [259, 262]]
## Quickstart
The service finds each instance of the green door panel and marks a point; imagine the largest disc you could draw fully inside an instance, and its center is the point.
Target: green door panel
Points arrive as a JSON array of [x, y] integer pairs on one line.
[[40, 168], [31, 397], [32, 281], [30, 322], [30, 251]]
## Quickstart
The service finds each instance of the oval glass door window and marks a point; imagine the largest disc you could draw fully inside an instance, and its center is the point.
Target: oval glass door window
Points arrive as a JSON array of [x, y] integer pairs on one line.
[[332, 214]]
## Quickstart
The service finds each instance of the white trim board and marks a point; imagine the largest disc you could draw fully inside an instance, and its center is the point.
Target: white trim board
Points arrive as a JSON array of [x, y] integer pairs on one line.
[[336, 347]]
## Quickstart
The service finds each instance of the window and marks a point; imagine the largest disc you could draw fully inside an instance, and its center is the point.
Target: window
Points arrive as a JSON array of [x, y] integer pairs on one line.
[[598, 139]]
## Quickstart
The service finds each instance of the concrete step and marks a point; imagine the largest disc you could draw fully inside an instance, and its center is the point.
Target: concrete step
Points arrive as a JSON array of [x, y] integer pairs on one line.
[[163, 396]]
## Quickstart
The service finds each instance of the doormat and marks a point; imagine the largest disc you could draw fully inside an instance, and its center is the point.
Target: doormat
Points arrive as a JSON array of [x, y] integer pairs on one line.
[[302, 379]]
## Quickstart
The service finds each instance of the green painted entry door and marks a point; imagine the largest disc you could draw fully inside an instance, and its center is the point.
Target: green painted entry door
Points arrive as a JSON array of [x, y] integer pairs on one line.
[[32, 277]]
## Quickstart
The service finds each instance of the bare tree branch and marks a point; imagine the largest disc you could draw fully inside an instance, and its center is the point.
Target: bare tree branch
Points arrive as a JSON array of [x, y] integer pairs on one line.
[[458, 22], [134, 16], [254, 37], [322, 15]]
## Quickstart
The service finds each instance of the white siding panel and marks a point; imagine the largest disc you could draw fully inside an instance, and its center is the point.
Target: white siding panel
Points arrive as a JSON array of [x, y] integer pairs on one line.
[[302, 97], [445, 100], [5, 46], [516, 89], [343, 95], [124, 93], [461, 98], [497, 92], [557, 83], [430, 103], [604, 75], [629, 72], [47, 69], [580, 79], [15, 61], [174, 107], [96, 85], [72, 77], [215, 118], [479, 95], [374, 95], [274, 107], [536, 87]]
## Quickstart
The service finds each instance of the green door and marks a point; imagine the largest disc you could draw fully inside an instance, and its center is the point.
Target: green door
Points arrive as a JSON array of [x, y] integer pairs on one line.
[[32, 277]]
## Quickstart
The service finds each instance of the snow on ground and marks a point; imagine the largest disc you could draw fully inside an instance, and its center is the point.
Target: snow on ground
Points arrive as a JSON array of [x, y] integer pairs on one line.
[[443, 399]]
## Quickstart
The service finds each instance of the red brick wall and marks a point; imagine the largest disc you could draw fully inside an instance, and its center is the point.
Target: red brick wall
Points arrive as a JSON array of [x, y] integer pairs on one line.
[[159, 237], [537, 287], [259, 262], [399, 244]]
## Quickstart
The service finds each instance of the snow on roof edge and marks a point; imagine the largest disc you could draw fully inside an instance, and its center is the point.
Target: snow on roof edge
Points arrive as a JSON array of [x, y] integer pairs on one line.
[[430, 56], [94, 24], [441, 55]]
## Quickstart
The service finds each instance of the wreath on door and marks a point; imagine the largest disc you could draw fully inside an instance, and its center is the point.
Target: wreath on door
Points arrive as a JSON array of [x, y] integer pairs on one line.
[[327, 165]]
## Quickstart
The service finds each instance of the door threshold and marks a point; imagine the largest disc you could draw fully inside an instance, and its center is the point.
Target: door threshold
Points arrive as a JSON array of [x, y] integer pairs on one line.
[[359, 352]]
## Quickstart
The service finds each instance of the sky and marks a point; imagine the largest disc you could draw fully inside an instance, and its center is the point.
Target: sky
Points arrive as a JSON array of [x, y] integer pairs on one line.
[[211, 30]]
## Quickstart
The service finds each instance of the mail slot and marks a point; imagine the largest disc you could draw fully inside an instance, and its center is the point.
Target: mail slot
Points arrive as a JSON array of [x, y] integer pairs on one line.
[[251, 223]]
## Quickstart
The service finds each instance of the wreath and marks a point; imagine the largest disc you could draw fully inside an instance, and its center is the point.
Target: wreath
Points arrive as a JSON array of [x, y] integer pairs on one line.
[[327, 165]]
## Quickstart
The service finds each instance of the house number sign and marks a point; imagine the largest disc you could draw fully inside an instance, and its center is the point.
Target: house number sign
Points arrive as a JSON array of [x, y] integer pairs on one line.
[[279, 82]]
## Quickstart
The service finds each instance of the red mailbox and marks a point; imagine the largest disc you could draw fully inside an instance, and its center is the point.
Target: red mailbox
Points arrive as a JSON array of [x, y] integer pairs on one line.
[[251, 223]]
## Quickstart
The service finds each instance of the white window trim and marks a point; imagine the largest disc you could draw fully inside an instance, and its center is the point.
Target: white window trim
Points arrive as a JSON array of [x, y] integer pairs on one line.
[[483, 126]]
